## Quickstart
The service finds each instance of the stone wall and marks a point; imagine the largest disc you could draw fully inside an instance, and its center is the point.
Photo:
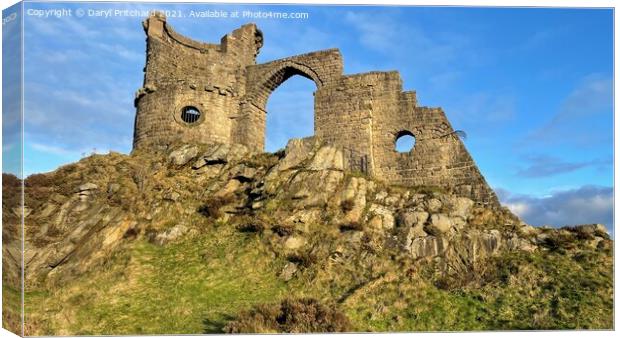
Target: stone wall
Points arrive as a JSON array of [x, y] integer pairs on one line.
[[181, 72], [363, 114]]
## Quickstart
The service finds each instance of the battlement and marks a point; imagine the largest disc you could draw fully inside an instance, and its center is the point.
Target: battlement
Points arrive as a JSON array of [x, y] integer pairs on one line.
[[202, 92]]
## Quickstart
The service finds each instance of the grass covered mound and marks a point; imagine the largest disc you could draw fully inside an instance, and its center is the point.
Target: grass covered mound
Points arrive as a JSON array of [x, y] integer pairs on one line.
[[229, 241], [226, 280]]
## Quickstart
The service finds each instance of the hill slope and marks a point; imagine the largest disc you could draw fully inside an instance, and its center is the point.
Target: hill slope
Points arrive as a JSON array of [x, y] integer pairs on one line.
[[212, 238]]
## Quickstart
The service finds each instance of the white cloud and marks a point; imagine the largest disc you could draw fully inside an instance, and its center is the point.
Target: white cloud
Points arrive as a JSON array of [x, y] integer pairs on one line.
[[51, 149], [584, 205]]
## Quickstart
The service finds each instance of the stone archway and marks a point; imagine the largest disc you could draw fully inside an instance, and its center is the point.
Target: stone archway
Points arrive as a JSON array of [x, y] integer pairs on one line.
[[321, 67], [259, 94]]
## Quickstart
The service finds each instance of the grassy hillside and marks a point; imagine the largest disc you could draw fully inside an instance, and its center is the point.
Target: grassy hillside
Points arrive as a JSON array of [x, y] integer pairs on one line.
[[200, 283], [250, 243]]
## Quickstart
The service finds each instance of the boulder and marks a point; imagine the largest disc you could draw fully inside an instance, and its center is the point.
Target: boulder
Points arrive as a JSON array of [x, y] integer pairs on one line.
[[406, 235], [297, 151], [170, 235], [354, 199], [84, 191], [433, 205], [288, 272], [439, 224], [217, 154], [113, 188], [172, 196], [461, 207], [244, 173], [183, 155], [327, 158], [87, 187], [381, 217], [592, 228], [294, 242], [230, 187], [528, 230], [411, 218], [220, 154]]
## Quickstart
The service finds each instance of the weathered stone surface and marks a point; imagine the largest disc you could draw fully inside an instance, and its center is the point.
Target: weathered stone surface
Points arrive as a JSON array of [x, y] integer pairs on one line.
[[171, 234], [87, 187], [461, 207], [244, 173], [288, 272], [412, 218], [592, 228], [183, 155], [297, 151], [381, 217], [327, 158], [433, 205], [172, 196], [439, 224], [113, 188], [406, 235], [294, 243], [429, 246], [354, 199]]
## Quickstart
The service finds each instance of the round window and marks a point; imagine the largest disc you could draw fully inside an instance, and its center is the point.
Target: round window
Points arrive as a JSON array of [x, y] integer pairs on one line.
[[405, 141], [190, 114]]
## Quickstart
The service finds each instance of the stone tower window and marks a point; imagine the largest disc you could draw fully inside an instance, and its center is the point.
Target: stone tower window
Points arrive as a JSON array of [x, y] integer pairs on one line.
[[405, 141], [190, 114]]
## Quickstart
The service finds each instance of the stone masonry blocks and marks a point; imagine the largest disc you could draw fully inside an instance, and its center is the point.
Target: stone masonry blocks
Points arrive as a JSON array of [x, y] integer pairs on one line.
[[362, 114]]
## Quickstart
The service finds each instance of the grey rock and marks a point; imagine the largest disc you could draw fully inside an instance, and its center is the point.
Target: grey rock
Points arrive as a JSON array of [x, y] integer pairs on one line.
[[592, 228], [433, 205], [294, 242], [87, 187], [461, 207], [172, 196], [327, 158], [297, 152], [439, 224], [183, 155], [170, 235], [244, 173], [288, 272], [429, 246], [411, 218]]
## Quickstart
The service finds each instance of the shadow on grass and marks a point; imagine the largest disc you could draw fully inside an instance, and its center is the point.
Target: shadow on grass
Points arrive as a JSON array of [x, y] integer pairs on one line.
[[216, 325]]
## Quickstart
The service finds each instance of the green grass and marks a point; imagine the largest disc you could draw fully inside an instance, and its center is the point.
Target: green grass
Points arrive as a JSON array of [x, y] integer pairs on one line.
[[11, 308], [193, 286], [544, 291], [201, 282]]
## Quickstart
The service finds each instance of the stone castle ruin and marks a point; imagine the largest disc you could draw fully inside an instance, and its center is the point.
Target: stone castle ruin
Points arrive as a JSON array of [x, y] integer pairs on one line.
[[198, 92]]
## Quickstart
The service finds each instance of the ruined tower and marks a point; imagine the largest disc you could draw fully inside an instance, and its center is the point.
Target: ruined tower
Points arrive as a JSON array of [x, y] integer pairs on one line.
[[197, 92]]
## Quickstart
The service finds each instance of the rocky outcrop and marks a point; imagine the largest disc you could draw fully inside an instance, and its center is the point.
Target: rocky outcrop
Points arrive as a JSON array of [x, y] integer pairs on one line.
[[97, 205]]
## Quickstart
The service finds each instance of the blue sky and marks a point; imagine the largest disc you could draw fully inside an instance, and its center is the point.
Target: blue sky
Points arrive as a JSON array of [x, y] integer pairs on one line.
[[532, 88]]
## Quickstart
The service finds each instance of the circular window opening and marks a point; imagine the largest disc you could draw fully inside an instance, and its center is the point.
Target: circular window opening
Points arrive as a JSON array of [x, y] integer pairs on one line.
[[190, 114], [404, 142]]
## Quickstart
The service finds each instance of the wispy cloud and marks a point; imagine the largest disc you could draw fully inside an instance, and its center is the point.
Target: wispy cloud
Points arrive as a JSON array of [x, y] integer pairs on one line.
[[585, 205], [583, 119], [545, 166], [479, 111], [429, 49], [52, 149]]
